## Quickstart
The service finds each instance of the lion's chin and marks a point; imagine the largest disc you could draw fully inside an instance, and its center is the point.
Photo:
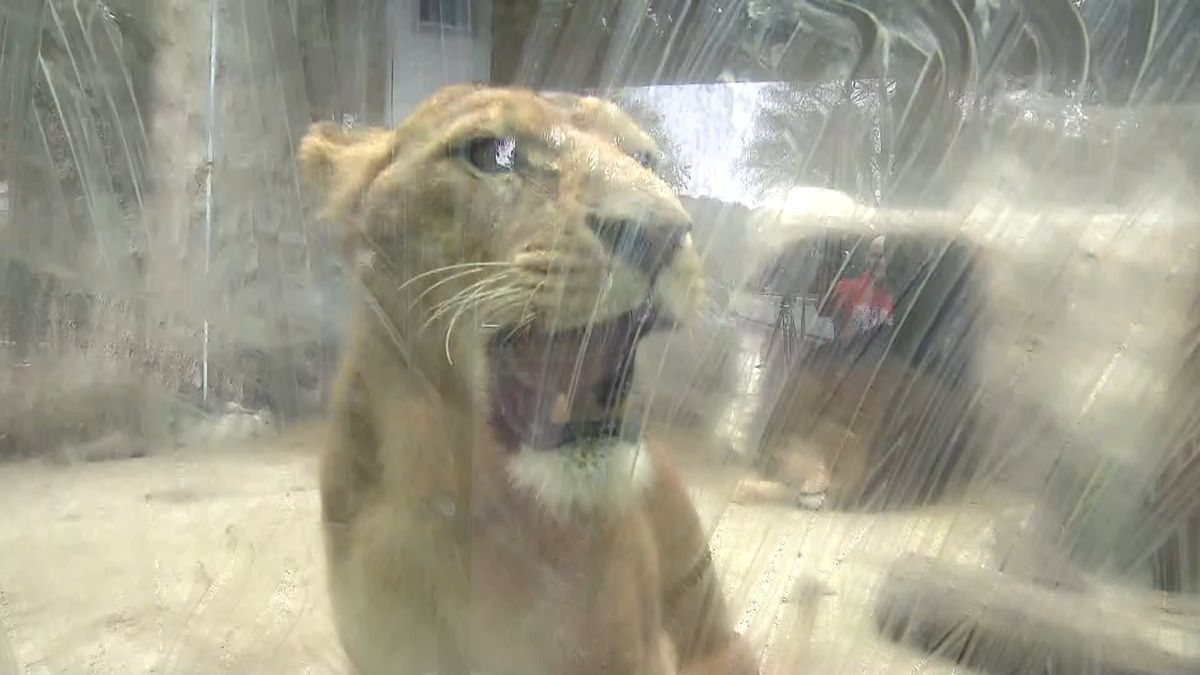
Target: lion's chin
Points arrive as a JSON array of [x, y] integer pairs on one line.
[[583, 478]]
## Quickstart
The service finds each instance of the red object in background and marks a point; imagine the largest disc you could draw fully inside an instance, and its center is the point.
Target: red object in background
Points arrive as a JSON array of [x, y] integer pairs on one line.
[[860, 305]]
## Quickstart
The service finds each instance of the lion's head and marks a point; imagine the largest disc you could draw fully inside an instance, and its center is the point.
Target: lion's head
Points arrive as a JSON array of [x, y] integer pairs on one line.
[[523, 240]]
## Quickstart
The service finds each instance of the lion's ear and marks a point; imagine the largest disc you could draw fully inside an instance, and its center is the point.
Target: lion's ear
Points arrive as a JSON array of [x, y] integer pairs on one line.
[[341, 164]]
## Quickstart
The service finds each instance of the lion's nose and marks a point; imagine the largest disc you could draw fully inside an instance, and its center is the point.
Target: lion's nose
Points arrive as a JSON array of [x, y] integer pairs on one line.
[[648, 246]]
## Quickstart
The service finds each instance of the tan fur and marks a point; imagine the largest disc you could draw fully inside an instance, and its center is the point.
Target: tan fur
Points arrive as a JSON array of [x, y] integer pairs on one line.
[[438, 561], [826, 438]]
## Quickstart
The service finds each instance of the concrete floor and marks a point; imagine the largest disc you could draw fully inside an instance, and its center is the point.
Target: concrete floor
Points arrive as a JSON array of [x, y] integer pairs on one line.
[[208, 560]]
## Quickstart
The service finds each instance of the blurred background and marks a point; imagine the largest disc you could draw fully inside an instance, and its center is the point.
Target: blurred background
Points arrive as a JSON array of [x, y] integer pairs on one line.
[[1021, 492]]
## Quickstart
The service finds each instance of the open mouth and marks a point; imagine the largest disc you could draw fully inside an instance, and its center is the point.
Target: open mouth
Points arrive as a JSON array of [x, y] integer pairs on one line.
[[553, 389]]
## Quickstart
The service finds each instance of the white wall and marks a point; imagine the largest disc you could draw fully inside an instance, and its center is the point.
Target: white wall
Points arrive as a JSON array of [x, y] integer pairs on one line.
[[424, 60]]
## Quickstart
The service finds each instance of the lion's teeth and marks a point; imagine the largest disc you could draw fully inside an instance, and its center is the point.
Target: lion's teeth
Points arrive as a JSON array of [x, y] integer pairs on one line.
[[561, 411]]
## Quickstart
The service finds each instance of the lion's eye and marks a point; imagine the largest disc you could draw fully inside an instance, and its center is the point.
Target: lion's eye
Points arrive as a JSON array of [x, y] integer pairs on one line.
[[491, 155]]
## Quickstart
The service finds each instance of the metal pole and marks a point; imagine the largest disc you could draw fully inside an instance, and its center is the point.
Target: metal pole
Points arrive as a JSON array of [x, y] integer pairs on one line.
[[208, 182]]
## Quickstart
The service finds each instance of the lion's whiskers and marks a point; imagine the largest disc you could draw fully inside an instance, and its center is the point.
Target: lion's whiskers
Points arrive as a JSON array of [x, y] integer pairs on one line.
[[481, 299], [493, 294], [442, 282], [526, 315], [451, 268], [464, 295]]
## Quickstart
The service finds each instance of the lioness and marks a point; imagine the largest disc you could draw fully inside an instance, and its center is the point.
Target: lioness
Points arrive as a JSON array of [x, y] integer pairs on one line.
[[487, 504], [886, 419]]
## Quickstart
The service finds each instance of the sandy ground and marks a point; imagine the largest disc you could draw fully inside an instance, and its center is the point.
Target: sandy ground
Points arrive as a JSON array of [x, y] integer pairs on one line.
[[209, 560]]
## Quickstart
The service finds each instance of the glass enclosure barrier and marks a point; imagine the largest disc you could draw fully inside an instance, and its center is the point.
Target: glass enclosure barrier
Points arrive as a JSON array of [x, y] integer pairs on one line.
[[605, 336]]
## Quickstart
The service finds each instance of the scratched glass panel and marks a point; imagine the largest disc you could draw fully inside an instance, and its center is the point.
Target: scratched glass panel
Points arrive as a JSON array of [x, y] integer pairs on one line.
[[766, 336]]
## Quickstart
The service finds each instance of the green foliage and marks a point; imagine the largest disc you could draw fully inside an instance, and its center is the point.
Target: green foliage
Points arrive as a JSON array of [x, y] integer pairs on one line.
[[825, 135]]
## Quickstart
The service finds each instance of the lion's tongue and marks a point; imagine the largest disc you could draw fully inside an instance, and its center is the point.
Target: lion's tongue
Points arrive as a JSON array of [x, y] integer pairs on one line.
[[549, 389]]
